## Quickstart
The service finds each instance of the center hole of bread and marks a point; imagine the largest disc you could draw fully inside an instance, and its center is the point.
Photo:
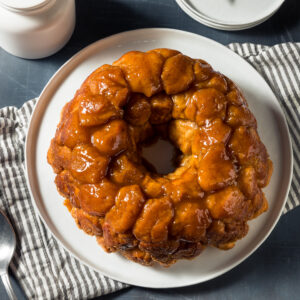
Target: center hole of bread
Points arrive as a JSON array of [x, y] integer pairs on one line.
[[160, 156]]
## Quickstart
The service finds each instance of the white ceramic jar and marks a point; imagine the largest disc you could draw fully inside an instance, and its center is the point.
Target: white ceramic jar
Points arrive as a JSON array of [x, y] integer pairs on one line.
[[35, 28]]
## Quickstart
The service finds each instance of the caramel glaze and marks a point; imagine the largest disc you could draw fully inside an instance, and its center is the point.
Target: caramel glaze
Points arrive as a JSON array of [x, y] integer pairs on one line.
[[145, 216]]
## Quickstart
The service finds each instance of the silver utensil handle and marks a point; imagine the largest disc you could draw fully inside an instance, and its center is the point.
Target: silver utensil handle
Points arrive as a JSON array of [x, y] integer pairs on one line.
[[8, 287]]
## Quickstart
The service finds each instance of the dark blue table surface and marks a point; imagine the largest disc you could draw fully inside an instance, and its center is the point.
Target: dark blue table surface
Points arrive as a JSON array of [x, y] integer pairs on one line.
[[273, 271]]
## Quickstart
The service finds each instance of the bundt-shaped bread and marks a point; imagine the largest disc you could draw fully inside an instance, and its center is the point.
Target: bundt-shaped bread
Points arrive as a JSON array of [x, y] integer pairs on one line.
[[113, 194]]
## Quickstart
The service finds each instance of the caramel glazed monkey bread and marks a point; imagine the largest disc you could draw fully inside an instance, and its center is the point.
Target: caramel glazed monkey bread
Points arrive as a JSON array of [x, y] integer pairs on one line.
[[115, 195]]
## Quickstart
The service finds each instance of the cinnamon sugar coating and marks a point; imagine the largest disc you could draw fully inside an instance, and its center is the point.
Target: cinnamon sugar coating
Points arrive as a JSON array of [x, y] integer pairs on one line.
[[113, 194]]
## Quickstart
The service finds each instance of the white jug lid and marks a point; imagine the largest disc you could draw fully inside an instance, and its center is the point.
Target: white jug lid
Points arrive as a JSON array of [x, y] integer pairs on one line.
[[23, 4]]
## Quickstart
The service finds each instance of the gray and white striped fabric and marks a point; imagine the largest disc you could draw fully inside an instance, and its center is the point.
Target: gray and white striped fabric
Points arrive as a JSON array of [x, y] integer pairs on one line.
[[44, 269]]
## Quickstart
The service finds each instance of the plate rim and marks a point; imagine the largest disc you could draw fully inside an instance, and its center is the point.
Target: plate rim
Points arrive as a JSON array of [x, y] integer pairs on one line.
[[31, 140]]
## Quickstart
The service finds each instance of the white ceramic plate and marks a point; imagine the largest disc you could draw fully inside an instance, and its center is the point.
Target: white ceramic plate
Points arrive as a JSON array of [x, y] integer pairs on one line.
[[49, 204], [196, 15], [230, 14]]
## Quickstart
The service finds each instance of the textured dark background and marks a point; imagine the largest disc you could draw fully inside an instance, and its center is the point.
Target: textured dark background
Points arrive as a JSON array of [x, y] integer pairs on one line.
[[273, 271]]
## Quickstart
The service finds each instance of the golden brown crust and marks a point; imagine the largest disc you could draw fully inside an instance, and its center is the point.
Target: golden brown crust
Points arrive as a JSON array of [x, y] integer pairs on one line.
[[177, 74], [142, 71], [114, 194]]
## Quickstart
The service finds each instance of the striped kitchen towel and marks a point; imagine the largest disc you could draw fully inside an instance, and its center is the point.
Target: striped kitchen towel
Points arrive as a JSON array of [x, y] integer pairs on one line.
[[43, 268]]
